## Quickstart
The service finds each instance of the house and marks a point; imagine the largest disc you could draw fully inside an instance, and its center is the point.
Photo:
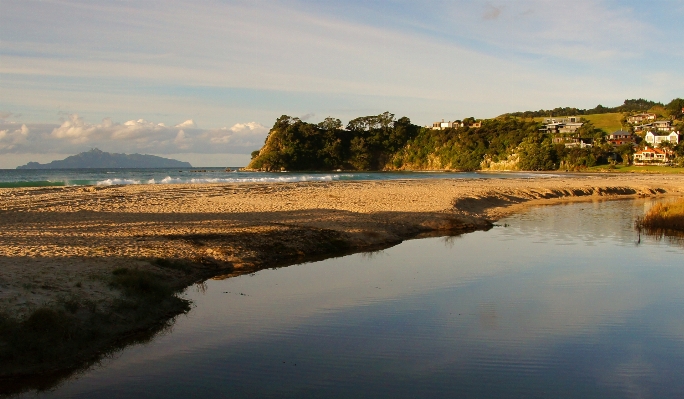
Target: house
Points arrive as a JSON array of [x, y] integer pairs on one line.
[[446, 125], [562, 125], [655, 139], [572, 140], [652, 156], [663, 126], [639, 118], [621, 137], [581, 143], [569, 119]]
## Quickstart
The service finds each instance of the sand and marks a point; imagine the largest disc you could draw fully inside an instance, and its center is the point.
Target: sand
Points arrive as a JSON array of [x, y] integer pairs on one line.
[[57, 243]]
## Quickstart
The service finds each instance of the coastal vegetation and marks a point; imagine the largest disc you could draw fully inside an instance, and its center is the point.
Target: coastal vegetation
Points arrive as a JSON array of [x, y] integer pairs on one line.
[[515, 141], [664, 216], [367, 143]]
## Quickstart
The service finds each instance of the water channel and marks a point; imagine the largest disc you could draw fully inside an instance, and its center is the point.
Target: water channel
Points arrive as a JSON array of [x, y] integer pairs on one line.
[[563, 301]]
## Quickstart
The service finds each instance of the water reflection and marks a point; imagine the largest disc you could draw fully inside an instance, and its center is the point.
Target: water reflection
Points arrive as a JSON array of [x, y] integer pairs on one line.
[[560, 303]]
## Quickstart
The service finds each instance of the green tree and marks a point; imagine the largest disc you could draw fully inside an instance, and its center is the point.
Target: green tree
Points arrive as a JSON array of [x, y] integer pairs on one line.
[[675, 108], [537, 153]]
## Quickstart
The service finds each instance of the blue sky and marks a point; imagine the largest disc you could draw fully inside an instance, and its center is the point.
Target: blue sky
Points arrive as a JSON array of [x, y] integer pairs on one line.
[[128, 76]]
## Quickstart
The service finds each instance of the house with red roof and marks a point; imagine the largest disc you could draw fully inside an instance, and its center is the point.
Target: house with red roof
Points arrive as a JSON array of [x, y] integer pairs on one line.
[[652, 156]]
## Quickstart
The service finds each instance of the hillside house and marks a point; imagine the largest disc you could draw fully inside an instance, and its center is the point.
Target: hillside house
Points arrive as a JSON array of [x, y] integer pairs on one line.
[[572, 140], [562, 125], [640, 118], [655, 139], [652, 156], [446, 125], [621, 137], [663, 126]]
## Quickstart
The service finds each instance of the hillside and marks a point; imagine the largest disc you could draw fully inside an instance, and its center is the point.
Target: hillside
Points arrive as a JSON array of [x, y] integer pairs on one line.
[[100, 159], [608, 122], [382, 142]]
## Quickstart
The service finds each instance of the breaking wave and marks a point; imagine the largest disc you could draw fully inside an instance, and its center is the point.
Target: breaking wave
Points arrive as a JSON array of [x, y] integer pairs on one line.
[[181, 180]]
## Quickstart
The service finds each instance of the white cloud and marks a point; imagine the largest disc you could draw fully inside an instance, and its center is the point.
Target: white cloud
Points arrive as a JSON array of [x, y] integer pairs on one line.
[[243, 134], [189, 123], [137, 135], [12, 139]]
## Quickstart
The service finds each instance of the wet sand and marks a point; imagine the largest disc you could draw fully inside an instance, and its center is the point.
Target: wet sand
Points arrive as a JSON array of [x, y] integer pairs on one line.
[[57, 243]]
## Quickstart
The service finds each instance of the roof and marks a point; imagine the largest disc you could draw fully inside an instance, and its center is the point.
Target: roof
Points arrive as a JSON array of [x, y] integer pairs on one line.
[[655, 150], [661, 133]]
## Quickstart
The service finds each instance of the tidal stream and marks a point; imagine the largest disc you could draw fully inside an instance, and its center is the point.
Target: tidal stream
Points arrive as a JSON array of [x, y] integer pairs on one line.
[[563, 301]]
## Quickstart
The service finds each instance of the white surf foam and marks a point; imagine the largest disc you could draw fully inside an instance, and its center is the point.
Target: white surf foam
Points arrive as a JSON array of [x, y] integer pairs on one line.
[[111, 182], [180, 180]]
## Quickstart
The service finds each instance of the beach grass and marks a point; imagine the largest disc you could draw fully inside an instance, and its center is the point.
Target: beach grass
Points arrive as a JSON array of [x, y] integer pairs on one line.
[[664, 216]]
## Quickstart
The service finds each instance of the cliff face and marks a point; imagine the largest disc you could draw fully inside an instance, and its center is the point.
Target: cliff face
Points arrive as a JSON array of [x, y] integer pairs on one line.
[[100, 159]]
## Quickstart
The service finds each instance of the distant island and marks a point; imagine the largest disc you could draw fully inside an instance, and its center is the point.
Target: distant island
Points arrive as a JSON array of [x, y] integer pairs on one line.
[[96, 158]]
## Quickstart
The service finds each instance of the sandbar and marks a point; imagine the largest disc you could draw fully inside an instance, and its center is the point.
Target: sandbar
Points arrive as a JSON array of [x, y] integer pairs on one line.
[[65, 241]]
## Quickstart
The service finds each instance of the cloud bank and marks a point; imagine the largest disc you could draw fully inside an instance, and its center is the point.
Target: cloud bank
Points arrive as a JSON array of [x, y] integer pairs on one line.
[[251, 61], [75, 134]]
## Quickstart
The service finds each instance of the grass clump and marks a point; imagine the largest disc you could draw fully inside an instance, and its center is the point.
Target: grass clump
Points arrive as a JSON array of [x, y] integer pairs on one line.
[[66, 335], [664, 216], [173, 265], [134, 282]]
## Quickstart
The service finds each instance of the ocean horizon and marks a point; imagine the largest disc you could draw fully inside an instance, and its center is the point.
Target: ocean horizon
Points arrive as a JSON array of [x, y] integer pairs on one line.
[[14, 178]]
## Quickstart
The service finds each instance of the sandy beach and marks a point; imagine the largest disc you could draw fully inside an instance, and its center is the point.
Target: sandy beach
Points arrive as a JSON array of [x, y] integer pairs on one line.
[[64, 242]]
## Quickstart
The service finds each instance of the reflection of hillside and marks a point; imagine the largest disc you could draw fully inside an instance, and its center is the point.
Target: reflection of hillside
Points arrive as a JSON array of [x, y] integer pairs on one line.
[[566, 223]]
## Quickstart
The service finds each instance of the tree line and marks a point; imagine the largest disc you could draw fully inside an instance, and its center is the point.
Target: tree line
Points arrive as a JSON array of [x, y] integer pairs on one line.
[[674, 109]]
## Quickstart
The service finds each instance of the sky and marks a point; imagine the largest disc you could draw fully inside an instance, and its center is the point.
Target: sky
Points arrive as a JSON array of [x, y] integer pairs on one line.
[[203, 81]]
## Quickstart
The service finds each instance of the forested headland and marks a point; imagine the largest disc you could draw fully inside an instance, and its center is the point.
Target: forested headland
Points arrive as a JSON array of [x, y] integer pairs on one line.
[[384, 142]]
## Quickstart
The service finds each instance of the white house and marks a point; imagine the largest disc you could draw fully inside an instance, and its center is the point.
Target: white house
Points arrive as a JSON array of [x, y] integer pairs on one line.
[[651, 156], [446, 125], [655, 139]]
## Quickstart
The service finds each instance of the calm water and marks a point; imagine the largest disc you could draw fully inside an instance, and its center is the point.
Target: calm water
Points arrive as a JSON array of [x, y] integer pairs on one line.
[[564, 302], [80, 177]]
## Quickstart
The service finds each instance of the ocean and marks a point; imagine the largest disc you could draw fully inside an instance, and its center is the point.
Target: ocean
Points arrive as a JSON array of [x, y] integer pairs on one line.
[[106, 177]]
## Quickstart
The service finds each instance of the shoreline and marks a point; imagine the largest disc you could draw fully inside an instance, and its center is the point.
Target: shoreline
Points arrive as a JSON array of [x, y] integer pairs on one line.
[[64, 243]]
